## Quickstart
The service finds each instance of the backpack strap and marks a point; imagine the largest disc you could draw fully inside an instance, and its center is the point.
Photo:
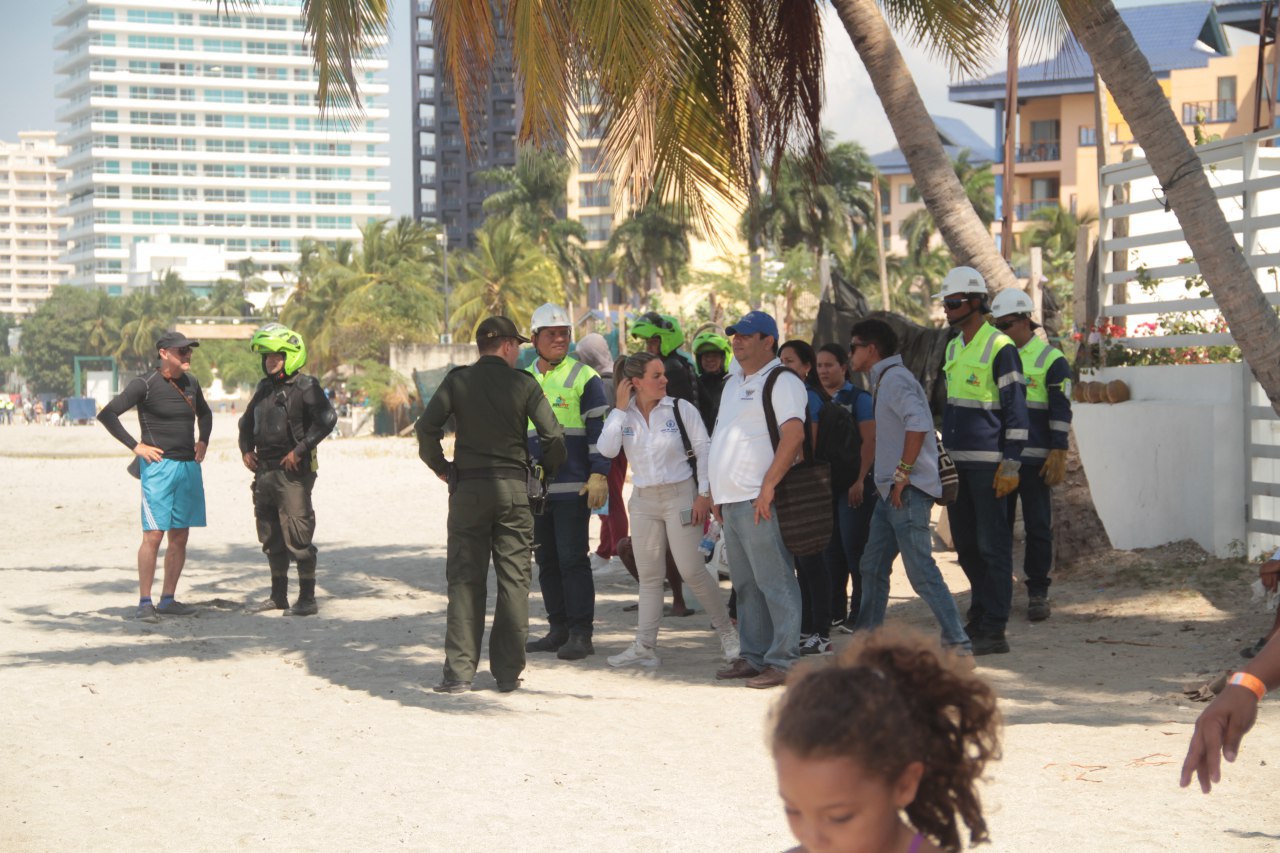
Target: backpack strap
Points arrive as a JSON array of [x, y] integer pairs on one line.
[[771, 419], [689, 455]]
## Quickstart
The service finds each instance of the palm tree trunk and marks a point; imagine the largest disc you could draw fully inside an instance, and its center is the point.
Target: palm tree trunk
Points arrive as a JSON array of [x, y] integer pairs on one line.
[[935, 177], [884, 273], [1130, 81]]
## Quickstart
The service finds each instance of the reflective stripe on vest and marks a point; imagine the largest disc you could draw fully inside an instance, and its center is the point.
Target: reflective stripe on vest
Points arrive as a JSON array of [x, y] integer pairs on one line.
[[1037, 357], [970, 383], [563, 386]]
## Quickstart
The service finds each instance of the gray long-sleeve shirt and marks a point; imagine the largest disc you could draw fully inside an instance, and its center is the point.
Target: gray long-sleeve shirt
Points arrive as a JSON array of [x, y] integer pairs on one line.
[[901, 406]]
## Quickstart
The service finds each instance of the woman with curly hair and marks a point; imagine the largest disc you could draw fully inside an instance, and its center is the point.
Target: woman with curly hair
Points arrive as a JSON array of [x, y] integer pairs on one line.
[[895, 726]]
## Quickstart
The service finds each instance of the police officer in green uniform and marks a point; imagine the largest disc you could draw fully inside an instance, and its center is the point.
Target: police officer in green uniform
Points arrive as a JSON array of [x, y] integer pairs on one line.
[[489, 512], [288, 416]]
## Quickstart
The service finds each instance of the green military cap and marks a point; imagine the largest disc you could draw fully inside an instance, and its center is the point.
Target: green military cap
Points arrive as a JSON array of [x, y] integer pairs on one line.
[[499, 327]]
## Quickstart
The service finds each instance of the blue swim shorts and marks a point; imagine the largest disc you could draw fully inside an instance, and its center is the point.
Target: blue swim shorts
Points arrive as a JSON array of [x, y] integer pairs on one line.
[[172, 495]]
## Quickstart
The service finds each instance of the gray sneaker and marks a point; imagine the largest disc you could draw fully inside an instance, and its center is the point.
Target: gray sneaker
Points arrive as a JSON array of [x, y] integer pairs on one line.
[[175, 608], [146, 613]]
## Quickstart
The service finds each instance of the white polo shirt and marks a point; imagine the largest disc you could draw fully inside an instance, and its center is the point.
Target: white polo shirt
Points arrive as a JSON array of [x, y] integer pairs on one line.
[[741, 451], [654, 446]]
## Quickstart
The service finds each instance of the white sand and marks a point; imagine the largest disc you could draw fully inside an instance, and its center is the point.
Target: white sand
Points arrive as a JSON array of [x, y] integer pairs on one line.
[[230, 730]]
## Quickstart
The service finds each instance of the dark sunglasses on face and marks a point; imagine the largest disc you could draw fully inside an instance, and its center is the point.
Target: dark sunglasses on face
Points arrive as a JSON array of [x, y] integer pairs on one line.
[[953, 304], [853, 346], [181, 350], [1005, 325]]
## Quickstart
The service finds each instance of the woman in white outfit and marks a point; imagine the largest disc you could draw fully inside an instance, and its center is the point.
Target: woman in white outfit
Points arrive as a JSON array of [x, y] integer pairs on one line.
[[669, 504]]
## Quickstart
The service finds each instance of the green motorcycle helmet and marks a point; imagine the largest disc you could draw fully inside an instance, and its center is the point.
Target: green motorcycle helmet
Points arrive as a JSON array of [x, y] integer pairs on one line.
[[662, 326], [711, 340], [273, 338]]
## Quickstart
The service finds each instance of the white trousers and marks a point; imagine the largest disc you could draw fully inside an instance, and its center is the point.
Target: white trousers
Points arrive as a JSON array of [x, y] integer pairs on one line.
[[655, 527]]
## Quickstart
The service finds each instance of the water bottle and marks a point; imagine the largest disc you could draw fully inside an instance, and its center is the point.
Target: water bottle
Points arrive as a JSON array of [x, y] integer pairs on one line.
[[708, 544]]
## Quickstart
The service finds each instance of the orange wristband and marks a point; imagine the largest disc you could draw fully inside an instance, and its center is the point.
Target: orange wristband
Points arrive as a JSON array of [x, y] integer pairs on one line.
[[1249, 682]]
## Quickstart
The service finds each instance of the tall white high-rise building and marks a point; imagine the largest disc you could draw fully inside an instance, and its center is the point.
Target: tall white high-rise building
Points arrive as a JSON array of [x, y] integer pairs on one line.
[[30, 242], [200, 127]]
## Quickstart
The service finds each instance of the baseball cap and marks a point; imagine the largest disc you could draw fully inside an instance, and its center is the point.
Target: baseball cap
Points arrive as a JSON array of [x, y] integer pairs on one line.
[[756, 322], [175, 340], [498, 327]]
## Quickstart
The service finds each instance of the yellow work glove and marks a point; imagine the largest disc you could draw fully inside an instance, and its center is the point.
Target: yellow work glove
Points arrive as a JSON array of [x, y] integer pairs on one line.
[[1055, 468], [1006, 481], [596, 490]]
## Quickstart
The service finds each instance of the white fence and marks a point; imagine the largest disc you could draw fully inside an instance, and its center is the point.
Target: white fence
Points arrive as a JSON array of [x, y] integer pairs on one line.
[[1162, 278]]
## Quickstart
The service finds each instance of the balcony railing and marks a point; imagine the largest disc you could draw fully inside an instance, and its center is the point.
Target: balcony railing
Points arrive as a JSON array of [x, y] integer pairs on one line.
[[1208, 112], [1039, 152], [1023, 212]]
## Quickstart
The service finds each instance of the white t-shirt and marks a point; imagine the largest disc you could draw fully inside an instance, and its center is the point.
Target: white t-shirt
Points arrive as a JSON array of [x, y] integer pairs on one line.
[[741, 451], [654, 447]]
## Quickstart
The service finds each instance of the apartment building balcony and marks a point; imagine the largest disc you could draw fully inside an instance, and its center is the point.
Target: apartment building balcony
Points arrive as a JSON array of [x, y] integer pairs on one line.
[[1038, 152], [427, 123], [1025, 211], [1208, 112]]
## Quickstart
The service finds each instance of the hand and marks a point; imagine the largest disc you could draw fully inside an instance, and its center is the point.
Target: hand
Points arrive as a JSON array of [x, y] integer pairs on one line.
[[701, 507], [1006, 479], [1054, 470], [290, 462], [597, 491], [624, 393], [201, 449], [250, 460], [1269, 573], [148, 452], [1219, 730], [895, 494], [763, 502], [857, 494]]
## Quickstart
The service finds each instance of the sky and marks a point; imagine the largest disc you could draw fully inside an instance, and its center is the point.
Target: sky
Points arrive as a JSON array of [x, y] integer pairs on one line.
[[852, 110]]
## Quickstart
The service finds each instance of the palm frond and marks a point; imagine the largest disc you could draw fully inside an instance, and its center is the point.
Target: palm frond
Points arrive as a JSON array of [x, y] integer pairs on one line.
[[340, 33]]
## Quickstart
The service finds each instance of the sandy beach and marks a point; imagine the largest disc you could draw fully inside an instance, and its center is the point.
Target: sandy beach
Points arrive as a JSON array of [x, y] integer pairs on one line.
[[230, 730]]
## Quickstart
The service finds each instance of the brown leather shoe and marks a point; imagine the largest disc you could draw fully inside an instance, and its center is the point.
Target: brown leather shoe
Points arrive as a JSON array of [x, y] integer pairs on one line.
[[738, 669], [770, 677]]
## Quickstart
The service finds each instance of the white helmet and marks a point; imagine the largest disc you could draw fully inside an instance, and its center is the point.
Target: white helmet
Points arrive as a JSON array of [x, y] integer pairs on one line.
[[962, 281], [548, 315], [1011, 300]]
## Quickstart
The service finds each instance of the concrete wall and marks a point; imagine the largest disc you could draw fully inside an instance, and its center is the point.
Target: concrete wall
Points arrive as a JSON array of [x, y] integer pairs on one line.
[[1169, 464], [406, 358]]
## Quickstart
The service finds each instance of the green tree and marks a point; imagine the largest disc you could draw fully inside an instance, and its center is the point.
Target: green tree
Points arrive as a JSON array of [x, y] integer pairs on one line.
[[650, 249], [1053, 230], [54, 335], [232, 361], [505, 274]]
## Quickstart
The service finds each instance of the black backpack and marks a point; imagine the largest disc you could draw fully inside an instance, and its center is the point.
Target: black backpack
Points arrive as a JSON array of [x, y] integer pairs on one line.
[[839, 442]]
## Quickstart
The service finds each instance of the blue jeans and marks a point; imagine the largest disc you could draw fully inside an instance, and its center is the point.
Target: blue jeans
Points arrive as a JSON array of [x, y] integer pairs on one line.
[[764, 579], [906, 530], [984, 545], [844, 552], [560, 545], [1037, 518]]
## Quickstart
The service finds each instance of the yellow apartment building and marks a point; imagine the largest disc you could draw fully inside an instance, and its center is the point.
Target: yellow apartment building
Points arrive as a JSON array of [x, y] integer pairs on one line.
[[1206, 66]]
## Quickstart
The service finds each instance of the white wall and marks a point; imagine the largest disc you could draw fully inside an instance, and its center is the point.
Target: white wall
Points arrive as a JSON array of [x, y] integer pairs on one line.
[[1169, 464], [406, 358]]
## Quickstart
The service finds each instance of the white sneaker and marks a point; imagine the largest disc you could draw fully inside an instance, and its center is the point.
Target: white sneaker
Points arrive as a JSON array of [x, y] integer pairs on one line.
[[815, 645], [635, 654], [729, 644], [598, 563]]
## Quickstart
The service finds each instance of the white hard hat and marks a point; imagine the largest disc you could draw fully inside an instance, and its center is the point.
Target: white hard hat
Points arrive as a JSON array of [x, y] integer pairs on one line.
[[962, 281], [548, 316], [1011, 300]]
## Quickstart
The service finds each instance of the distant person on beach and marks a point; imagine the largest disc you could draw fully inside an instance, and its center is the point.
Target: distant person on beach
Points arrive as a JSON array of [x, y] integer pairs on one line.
[[493, 404], [1229, 718], [895, 729], [171, 407], [285, 421]]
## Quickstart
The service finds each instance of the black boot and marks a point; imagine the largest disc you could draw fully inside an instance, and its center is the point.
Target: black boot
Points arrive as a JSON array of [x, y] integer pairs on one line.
[[552, 642], [577, 648], [279, 599], [306, 604]]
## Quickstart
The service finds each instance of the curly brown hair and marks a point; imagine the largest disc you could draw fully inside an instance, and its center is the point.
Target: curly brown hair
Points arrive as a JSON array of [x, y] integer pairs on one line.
[[891, 698]]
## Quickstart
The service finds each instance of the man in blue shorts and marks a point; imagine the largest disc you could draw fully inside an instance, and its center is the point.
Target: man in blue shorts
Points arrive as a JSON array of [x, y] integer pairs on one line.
[[170, 406]]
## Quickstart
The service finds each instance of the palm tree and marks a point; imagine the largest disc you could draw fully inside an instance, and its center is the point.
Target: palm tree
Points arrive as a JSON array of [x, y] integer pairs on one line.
[[650, 249], [505, 274], [1054, 230]]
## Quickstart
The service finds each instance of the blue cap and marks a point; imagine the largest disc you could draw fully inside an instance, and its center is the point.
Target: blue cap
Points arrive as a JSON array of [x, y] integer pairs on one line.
[[756, 322]]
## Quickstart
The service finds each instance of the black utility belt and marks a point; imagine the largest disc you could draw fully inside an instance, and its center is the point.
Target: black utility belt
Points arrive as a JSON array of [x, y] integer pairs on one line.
[[492, 474]]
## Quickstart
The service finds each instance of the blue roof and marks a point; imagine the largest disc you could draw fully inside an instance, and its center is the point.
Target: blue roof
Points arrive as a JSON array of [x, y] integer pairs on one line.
[[956, 136], [1171, 36]]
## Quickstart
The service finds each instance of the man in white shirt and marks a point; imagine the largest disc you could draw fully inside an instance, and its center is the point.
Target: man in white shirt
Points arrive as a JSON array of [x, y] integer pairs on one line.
[[744, 470]]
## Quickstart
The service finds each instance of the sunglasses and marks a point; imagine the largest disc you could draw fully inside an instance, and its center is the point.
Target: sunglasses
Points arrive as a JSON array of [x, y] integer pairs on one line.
[[952, 304], [1005, 325], [181, 350], [853, 347]]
